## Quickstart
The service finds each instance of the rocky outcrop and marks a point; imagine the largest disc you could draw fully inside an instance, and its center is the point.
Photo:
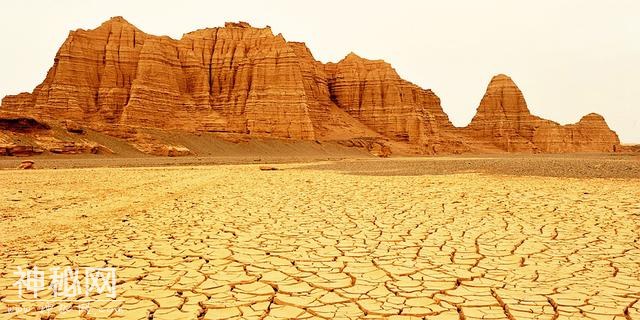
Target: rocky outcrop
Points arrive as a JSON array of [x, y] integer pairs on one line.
[[160, 149], [631, 148], [74, 148], [19, 150], [590, 134], [316, 87], [376, 147], [27, 165], [238, 79], [503, 121], [91, 78], [73, 127], [233, 79], [372, 92], [22, 124], [25, 136]]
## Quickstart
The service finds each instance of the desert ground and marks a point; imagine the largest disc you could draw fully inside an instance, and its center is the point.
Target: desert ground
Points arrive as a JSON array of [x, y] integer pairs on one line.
[[435, 238]]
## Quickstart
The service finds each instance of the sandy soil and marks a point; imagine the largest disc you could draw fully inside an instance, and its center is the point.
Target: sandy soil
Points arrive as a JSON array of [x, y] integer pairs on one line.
[[353, 239], [568, 165], [210, 150], [360, 162]]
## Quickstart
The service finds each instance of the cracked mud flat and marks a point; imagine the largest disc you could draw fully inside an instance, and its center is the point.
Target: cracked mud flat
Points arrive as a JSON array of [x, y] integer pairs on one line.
[[235, 242]]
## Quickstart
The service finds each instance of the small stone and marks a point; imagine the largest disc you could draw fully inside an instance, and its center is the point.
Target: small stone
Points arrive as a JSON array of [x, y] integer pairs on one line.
[[27, 164]]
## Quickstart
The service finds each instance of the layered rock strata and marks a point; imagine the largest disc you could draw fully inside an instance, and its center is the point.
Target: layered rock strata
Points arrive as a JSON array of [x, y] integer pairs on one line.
[[503, 120], [238, 79]]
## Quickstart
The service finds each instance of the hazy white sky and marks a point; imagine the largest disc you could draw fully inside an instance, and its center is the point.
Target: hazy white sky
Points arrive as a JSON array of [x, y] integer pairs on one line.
[[569, 57]]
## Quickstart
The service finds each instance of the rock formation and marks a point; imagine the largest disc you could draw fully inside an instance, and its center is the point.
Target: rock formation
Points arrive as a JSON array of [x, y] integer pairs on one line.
[[238, 79], [27, 165], [22, 124], [503, 121], [19, 150], [233, 79], [372, 92]]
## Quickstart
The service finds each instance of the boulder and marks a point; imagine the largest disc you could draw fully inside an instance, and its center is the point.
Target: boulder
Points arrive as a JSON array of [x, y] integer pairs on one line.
[[73, 127], [27, 164]]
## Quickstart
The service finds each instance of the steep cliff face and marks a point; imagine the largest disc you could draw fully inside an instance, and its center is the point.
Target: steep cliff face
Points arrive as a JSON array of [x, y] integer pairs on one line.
[[590, 134], [91, 77], [238, 79], [372, 92], [234, 79], [315, 84], [503, 120], [250, 77]]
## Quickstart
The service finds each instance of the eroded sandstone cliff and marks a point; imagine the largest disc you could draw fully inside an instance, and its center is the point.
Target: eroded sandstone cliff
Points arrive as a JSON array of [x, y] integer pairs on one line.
[[233, 79], [238, 79], [504, 121]]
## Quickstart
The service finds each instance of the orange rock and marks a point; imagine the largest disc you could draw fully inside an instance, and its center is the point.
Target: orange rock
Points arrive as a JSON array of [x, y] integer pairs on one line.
[[503, 121], [73, 127], [22, 124], [233, 79], [380, 150], [155, 147], [19, 150], [376, 147], [75, 148], [372, 92], [238, 79], [26, 164]]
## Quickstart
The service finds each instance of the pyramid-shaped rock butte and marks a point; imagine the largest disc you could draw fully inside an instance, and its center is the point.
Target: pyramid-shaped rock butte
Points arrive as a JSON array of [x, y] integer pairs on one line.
[[239, 79]]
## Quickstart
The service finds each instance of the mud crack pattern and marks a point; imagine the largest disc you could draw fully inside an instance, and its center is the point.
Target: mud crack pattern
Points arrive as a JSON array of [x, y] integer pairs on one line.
[[235, 242]]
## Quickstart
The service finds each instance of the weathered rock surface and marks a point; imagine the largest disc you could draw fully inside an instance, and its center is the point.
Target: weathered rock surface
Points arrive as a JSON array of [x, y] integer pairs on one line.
[[631, 148], [27, 164], [239, 79], [169, 151], [19, 150], [233, 79], [376, 147], [74, 148], [22, 124], [73, 127], [504, 121], [372, 91]]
